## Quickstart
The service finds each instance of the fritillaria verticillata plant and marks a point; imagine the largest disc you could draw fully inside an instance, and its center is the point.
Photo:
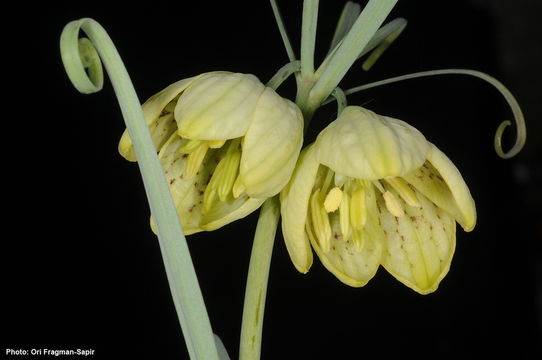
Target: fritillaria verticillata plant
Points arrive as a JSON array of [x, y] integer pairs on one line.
[[371, 190]]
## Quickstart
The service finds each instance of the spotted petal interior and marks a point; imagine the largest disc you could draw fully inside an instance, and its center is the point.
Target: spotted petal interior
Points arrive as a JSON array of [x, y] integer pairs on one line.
[[353, 261], [188, 191], [419, 245], [159, 117]]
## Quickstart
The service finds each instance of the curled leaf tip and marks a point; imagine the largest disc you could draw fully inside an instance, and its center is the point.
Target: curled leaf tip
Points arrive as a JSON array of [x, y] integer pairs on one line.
[[80, 58], [498, 138], [519, 119]]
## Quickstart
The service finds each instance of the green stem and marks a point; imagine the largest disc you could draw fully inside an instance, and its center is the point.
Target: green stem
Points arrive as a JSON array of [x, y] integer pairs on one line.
[[258, 275], [177, 261]]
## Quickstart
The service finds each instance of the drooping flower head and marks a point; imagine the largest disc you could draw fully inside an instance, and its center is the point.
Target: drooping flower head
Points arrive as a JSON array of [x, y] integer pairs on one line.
[[373, 191], [226, 143]]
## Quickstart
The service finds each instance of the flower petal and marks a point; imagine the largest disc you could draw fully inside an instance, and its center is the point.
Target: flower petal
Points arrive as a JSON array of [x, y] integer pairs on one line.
[[294, 202], [365, 145], [161, 124], [271, 145], [442, 183], [226, 212], [419, 246], [350, 265], [218, 106], [187, 192]]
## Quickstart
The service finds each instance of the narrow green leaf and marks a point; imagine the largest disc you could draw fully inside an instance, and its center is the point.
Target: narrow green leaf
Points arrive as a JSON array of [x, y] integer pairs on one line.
[[383, 38], [348, 17], [282, 30], [308, 35], [363, 30], [222, 352]]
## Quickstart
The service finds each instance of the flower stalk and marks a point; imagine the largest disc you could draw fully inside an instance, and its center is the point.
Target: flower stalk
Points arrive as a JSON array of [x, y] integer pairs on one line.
[[258, 275], [327, 77]]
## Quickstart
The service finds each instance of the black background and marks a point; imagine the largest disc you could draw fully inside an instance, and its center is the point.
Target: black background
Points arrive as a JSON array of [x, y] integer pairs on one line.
[[83, 269]]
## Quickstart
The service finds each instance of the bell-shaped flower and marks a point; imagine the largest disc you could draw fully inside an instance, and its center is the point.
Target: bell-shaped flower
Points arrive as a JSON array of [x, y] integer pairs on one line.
[[372, 190], [226, 143]]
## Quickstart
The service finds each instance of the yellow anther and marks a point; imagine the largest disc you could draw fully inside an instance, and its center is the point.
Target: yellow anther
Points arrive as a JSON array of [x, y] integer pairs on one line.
[[393, 205], [195, 159], [327, 182], [209, 199], [320, 221], [358, 240], [229, 170], [221, 183], [216, 144], [333, 199], [344, 215], [238, 187], [358, 208], [404, 191], [379, 186], [190, 146]]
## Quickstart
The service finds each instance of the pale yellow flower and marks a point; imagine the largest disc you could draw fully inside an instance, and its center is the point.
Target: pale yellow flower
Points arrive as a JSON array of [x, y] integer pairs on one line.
[[226, 143], [373, 191]]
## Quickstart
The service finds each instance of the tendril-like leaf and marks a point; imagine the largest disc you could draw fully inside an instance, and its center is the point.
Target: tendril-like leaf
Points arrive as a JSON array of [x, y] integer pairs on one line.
[[82, 62], [521, 131], [81, 58]]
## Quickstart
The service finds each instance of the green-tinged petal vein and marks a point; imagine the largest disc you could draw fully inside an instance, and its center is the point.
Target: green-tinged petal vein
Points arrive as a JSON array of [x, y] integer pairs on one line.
[[218, 107], [364, 145], [271, 145]]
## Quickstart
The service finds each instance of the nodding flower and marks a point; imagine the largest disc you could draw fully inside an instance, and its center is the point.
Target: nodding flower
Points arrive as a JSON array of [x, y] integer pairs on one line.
[[370, 191], [226, 143]]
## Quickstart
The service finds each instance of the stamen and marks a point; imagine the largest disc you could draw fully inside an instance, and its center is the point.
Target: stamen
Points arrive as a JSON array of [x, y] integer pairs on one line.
[[221, 183], [320, 220], [238, 187], [379, 186], [358, 240], [229, 171], [344, 214], [333, 199], [327, 182], [216, 144], [393, 205], [404, 191], [358, 208], [195, 159], [209, 198], [210, 195], [190, 146]]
